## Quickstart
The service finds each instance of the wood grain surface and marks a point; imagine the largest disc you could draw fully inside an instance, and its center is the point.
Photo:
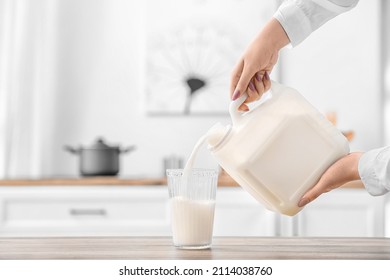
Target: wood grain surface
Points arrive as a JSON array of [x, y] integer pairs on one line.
[[235, 248]]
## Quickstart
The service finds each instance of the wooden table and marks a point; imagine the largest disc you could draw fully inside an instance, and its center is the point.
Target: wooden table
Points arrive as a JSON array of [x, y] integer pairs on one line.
[[224, 248]]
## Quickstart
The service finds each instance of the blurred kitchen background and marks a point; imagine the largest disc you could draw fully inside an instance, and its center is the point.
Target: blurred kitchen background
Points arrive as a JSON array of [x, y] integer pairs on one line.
[[155, 75], [75, 70]]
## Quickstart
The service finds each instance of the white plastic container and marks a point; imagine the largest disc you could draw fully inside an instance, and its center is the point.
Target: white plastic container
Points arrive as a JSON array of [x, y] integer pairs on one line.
[[279, 149]]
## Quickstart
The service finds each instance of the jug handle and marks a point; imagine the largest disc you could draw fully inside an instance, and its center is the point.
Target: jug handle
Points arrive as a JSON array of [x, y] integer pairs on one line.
[[233, 108], [234, 105]]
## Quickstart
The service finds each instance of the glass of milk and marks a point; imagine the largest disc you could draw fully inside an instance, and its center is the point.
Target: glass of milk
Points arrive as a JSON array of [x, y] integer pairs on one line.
[[192, 195]]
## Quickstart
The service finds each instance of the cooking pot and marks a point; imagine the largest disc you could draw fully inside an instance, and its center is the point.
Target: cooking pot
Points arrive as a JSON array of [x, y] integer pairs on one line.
[[99, 159]]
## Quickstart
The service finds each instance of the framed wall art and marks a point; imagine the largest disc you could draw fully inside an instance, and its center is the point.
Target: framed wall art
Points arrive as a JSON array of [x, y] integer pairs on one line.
[[191, 49]]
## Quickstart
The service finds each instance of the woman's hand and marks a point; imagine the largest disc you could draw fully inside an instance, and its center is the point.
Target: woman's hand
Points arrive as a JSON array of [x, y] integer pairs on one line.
[[251, 74], [342, 171]]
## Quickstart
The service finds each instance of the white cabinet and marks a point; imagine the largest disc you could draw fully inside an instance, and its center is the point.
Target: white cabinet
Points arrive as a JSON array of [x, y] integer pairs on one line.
[[144, 211], [238, 214], [83, 211], [342, 212], [387, 216]]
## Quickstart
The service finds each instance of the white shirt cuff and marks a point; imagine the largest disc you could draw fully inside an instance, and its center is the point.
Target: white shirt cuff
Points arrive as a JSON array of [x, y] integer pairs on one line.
[[300, 18], [294, 22], [374, 171]]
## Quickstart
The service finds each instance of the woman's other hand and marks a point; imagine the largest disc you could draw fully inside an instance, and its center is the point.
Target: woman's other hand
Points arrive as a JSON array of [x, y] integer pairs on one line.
[[342, 171]]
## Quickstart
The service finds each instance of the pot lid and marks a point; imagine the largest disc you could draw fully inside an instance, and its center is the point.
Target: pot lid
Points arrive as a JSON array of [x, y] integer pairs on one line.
[[100, 145]]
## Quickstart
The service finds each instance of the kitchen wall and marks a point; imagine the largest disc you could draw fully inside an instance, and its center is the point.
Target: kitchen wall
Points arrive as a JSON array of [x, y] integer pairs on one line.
[[385, 67], [98, 79], [102, 78]]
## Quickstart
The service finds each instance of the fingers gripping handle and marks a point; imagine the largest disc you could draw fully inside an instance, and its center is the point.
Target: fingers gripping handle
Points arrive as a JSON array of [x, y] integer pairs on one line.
[[234, 105]]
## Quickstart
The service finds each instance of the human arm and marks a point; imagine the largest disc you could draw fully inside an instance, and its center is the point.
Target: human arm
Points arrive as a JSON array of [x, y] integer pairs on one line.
[[300, 18], [251, 72], [294, 21]]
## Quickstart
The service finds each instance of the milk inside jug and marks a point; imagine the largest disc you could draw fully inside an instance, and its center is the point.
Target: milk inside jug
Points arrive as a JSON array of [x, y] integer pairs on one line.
[[278, 150]]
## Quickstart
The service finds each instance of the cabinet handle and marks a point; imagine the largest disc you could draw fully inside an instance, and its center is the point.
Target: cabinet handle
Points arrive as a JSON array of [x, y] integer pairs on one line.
[[88, 212]]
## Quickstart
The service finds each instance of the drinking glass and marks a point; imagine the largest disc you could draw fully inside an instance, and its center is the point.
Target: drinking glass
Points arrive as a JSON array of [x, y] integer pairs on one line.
[[192, 203]]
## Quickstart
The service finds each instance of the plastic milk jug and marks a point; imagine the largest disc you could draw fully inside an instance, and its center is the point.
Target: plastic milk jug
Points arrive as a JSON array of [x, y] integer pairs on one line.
[[279, 149]]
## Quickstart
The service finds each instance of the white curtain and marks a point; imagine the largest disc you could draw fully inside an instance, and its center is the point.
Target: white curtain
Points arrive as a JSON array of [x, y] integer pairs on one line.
[[27, 72]]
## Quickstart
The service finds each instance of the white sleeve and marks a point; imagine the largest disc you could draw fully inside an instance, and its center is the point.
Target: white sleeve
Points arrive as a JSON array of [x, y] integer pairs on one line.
[[374, 170], [299, 18]]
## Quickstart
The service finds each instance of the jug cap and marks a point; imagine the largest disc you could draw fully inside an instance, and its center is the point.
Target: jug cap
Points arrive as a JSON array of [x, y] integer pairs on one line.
[[216, 134]]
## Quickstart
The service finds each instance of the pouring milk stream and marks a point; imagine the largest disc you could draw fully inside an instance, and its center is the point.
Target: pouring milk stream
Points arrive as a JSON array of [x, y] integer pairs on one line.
[[276, 151]]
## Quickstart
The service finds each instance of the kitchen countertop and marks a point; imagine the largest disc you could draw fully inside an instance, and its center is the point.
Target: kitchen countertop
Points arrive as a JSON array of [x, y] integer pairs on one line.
[[84, 181], [236, 248], [225, 181]]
